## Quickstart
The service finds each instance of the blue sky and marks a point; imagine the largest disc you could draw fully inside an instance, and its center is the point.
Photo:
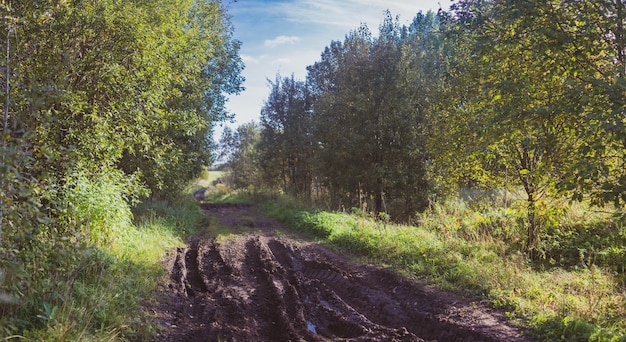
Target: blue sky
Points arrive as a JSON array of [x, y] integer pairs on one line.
[[285, 36]]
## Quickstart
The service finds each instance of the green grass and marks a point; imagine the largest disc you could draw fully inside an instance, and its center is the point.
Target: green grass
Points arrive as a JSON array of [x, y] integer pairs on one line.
[[478, 250], [575, 291], [104, 299]]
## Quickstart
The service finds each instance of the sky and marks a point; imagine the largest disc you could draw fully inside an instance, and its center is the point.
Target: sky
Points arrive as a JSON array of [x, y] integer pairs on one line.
[[286, 36]]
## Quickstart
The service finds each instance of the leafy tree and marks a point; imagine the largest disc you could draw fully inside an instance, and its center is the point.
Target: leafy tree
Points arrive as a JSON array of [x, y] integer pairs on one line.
[[440, 47], [198, 64], [518, 116], [367, 121], [99, 87], [590, 41], [540, 77], [423, 68], [346, 157], [241, 153], [286, 145]]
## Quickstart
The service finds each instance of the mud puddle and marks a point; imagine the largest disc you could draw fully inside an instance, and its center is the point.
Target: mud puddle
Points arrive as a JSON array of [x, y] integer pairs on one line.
[[260, 287]]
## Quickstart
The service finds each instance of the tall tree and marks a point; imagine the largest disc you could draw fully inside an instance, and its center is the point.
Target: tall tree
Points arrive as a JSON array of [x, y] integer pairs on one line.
[[198, 66], [286, 140], [108, 79], [519, 116], [100, 86], [241, 153], [367, 121], [590, 37]]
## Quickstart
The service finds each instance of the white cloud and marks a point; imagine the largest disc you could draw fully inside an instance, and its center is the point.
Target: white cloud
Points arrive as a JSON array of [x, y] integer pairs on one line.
[[282, 61], [349, 14], [280, 40], [247, 59]]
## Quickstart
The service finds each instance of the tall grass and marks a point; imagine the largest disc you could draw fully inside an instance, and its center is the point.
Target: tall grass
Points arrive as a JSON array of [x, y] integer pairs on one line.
[[105, 267], [478, 249]]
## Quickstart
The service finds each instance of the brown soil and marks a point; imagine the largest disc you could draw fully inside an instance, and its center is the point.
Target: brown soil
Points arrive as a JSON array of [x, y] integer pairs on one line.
[[259, 286]]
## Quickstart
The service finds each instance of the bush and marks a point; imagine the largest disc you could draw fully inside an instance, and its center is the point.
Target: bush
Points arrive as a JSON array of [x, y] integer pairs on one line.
[[100, 204], [58, 268]]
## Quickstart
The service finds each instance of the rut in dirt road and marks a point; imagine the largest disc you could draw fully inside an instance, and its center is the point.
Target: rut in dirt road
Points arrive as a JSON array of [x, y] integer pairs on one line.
[[263, 288]]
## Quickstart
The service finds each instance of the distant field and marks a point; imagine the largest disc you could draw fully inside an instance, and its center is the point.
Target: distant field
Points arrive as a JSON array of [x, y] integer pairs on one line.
[[209, 177], [214, 175]]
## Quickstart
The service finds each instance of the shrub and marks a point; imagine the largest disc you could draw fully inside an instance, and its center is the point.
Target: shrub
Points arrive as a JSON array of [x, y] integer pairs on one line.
[[99, 204]]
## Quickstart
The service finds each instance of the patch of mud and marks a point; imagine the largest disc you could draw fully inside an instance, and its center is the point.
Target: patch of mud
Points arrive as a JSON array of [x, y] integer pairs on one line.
[[259, 287], [240, 215]]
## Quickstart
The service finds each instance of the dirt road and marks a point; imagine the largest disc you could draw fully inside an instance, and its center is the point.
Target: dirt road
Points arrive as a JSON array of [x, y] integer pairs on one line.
[[264, 286]]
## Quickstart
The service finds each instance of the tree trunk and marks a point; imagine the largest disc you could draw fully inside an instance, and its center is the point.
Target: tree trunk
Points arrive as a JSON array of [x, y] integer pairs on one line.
[[528, 162], [532, 226], [378, 203]]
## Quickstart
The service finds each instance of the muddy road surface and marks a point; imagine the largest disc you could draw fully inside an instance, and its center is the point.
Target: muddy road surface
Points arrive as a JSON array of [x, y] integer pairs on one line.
[[264, 286]]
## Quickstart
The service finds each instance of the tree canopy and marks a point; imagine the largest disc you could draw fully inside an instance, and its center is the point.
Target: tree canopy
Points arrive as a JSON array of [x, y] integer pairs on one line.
[[101, 96]]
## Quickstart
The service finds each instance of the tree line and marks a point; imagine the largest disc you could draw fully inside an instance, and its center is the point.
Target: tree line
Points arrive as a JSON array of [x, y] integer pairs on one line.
[[99, 96], [491, 94]]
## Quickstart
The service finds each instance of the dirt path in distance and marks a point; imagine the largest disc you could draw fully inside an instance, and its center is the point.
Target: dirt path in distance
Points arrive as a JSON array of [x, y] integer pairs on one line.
[[259, 286]]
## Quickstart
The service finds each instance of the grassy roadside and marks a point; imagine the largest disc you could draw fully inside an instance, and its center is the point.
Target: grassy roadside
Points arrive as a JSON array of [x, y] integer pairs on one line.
[[103, 299], [578, 294], [567, 298]]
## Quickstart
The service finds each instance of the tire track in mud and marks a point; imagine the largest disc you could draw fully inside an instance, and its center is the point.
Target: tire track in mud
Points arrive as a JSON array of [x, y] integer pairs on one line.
[[259, 287]]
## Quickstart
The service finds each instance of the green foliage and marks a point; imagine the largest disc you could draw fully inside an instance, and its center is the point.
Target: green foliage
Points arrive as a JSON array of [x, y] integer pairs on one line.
[[368, 120], [475, 221], [353, 133], [99, 203], [571, 329], [240, 149], [532, 103], [181, 215], [485, 96], [96, 299], [133, 84], [108, 99], [287, 145], [585, 238], [512, 104]]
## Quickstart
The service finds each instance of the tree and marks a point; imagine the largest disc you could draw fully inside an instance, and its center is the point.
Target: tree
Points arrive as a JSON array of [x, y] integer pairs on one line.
[[195, 67], [241, 153], [590, 38], [99, 87], [135, 85], [519, 116], [286, 144], [367, 122]]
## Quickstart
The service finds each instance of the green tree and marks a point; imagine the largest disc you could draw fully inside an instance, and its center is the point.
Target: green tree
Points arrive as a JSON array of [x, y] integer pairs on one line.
[[99, 87], [196, 65], [518, 116], [240, 151], [286, 145], [368, 122], [589, 39]]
